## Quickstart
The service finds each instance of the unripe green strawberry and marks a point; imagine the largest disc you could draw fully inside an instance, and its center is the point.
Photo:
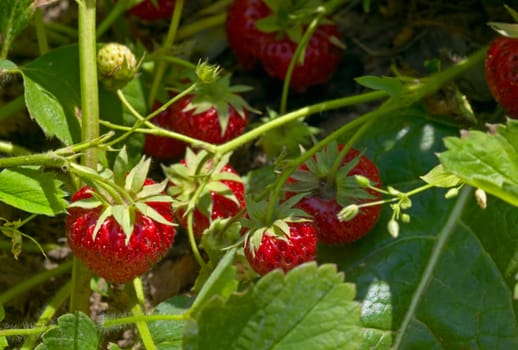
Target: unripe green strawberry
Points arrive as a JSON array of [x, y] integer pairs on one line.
[[116, 65]]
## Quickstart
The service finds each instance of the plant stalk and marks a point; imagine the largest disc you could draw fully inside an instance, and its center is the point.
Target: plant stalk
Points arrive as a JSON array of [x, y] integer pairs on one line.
[[81, 275]]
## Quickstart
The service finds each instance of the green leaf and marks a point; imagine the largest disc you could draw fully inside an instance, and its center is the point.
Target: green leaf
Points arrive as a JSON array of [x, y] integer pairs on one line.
[[447, 281], [486, 160], [167, 335], [308, 308], [45, 108], [52, 93], [221, 282], [74, 331], [391, 85], [441, 178], [15, 15], [32, 190]]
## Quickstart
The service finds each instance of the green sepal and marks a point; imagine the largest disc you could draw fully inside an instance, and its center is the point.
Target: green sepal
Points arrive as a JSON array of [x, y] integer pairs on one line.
[[151, 213], [106, 213], [125, 216]]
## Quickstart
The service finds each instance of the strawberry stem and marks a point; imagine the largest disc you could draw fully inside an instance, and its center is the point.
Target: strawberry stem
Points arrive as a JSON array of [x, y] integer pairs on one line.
[[297, 56], [188, 30], [80, 291], [41, 34], [192, 240], [298, 114], [168, 43], [136, 293], [331, 177]]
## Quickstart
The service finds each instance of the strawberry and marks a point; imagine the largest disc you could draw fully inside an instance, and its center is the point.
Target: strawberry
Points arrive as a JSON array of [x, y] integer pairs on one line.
[[121, 239], [325, 194], [153, 9], [116, 65], [242, 33], [501, 68], [222, 195], [283, 241], [214, 113], [269, 31], [160, 147]]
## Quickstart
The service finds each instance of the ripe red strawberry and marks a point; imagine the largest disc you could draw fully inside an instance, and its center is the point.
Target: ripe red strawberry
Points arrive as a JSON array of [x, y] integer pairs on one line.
[[325, 195], [214, 113], [160, 147], [153, 9], [217, 124], [269, 31], [283, 241], [222, 196], [118, 241], [501, 69], [242, 33]]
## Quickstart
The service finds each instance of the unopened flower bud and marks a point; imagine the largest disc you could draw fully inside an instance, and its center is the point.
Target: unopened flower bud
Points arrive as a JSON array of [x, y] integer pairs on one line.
[[481, 196], [349, 212], [393, 228], [452, 192], [362, 180]]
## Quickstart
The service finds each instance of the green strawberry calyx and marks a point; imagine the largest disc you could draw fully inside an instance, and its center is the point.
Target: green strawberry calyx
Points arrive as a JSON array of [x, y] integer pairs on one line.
[[193, 183], [259, 224], [215, 91], [317, 179], [291, 17], [122, 193]]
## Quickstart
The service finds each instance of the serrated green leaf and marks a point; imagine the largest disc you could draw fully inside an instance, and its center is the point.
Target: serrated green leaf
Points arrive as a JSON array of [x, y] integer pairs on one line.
[[391, 85], [308, 308], [15, 15], [32, 190], [48, 112], [74, 331], [52, 93], [486, 160]]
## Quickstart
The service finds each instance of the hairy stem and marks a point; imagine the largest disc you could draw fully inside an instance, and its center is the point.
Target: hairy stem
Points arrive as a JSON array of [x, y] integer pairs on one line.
[[168, 43], [80, 293]]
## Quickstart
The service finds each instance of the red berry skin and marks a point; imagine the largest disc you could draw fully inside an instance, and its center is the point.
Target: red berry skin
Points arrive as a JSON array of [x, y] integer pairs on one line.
[[320, 61], [108, 255], [501, 68], [163, 148], [242, 34], [146, 10], [222, 207], [275, 252], [205, 126], [324, 208]]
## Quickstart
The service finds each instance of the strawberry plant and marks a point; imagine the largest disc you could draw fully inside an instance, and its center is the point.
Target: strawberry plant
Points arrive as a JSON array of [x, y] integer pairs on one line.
[[258, 174]]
